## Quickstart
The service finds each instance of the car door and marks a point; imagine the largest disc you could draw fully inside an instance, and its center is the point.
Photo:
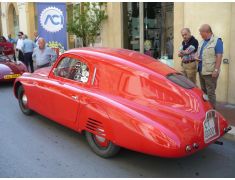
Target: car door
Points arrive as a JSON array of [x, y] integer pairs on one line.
[[70, 77]]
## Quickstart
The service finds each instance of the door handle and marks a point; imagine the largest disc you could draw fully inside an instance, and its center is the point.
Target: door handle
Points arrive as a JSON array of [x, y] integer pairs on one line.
[[74, 97], [61, 83]]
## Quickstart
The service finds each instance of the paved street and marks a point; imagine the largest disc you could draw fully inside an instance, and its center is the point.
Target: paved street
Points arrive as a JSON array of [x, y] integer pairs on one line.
[[33, 146]]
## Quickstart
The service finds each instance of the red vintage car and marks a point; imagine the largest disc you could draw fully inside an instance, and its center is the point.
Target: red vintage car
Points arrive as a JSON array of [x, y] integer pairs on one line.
[[10, 69], [121, 98]]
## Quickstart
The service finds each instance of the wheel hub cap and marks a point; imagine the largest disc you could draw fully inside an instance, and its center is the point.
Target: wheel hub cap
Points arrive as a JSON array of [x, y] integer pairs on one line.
[[24, 99], [100, 139]]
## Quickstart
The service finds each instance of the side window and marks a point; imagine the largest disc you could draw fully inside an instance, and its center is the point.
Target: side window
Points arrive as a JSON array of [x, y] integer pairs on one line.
[[62, 69], [73, 69], [79, 71]]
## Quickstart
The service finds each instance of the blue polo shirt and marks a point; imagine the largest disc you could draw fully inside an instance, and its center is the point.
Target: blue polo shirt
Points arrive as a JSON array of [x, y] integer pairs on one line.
[[28, 46], [218, 50]]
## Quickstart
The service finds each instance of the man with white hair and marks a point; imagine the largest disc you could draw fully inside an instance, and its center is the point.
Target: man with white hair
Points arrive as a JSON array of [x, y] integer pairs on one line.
[[210, 54], [43, 55], [187, 53]]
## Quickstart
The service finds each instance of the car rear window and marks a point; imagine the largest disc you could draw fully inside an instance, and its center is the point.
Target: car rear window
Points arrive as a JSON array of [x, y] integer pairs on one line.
[[181, 80]]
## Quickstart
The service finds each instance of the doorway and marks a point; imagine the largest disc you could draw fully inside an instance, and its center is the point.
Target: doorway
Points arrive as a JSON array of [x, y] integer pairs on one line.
[[13, 21], [156, 32]]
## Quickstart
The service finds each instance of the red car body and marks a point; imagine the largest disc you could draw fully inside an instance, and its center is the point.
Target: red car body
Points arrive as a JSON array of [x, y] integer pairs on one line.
[[6, 47], [129, 99], [9, 69]]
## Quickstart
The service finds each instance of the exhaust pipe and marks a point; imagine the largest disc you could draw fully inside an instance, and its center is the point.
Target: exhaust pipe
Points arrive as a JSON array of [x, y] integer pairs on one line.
[[227, 129], [219, 143]]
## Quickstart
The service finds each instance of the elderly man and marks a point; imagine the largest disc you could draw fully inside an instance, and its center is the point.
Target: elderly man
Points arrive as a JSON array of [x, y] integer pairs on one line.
[[187, 53], [210, 53], [36, 35], [43, 55]]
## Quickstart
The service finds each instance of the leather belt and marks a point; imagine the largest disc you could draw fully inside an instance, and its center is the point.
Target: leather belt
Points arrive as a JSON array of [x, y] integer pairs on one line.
[[186, 62], [44, 65]]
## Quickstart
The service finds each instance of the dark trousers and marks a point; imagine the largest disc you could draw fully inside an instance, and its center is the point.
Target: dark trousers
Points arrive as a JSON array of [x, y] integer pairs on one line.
[[20, 56], [28, 60], [208, 85], [14, 57]]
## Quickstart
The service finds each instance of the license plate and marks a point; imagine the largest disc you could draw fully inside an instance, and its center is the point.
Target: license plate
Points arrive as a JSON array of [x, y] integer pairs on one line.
[[11, 76], [211, 126]]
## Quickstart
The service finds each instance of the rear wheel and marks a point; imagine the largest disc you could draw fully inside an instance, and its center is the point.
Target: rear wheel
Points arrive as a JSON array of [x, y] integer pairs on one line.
[[23, 101], [101, 145]]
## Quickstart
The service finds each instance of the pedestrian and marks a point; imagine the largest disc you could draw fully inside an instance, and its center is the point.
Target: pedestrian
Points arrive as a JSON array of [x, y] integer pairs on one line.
[[169, 48], [19, 45], [156, 46], [187, 53], [43, 55], [28, 46], [13, 42], [210, 54], [36, 35], [10, 39]]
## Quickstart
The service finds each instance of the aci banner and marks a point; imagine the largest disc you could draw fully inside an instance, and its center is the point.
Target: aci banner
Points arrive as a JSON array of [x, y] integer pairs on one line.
[[52, 24]]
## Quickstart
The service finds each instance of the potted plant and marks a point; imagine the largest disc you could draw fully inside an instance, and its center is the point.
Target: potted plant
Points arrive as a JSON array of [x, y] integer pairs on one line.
[[56, 46]]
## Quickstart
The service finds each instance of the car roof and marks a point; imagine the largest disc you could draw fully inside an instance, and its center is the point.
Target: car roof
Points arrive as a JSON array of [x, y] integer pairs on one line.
[[124, 56]]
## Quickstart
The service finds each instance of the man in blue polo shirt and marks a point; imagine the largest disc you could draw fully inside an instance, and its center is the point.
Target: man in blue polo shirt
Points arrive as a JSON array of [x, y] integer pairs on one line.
[[210, 55], [27, 48]]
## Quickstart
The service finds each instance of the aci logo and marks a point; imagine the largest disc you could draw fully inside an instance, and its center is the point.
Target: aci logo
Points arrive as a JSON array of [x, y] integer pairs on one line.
[[52, 19]]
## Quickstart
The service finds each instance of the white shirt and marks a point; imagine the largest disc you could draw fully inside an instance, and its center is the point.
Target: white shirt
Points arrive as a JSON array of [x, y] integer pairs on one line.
[[19, 44]]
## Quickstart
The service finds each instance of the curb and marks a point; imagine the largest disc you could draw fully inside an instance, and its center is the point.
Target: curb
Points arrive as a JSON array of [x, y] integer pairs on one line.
[[231, 134]]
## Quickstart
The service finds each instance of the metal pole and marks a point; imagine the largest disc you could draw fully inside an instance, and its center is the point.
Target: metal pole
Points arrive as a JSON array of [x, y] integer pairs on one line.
[[141, 18]]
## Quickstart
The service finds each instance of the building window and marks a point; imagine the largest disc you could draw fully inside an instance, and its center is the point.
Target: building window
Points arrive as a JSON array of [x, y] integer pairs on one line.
[[131, 25], [158, 28]]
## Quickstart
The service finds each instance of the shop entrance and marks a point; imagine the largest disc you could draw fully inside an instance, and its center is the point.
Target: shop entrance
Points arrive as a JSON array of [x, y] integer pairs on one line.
[[148, 28]]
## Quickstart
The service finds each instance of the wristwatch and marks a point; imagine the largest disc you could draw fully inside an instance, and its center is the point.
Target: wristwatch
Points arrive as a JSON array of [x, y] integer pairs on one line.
[[216, 70]]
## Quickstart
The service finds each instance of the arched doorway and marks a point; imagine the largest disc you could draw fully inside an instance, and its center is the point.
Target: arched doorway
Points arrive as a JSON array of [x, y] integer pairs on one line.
[[13, 21]]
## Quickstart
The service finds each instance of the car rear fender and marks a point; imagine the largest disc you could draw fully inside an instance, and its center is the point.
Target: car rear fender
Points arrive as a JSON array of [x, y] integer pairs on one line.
[[94, 119]]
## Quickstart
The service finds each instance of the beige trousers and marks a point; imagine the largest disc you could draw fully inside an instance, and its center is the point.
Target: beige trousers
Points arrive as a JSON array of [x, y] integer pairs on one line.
[[190, 70]]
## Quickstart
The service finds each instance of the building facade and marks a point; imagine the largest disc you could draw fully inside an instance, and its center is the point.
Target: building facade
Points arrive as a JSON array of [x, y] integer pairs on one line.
[[152, 28], [18, 17]]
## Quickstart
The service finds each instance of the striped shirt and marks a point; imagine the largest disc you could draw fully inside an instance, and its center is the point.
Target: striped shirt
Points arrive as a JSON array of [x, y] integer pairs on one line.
[[189, 54]]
